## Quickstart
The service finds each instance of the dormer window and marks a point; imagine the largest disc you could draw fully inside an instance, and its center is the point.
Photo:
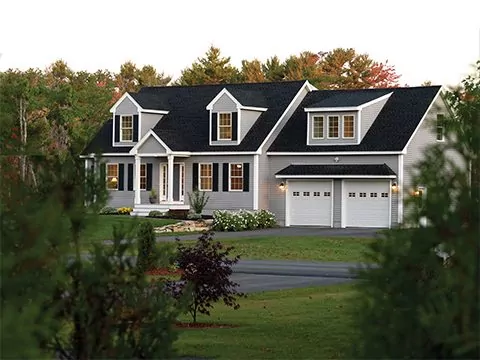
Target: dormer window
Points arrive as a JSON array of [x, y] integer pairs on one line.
[[440, 127], [318, 127], [348, 126], [333, 125], [126, 128], [224, 126]]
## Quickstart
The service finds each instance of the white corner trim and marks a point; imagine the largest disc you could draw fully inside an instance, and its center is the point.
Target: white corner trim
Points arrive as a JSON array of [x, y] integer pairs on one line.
[[134, 150], [119, 101], [335, 176], [390, 204], [331, 205], [252, 108], [256, 180], [287, 203], [337, 153], [279, 121], [359, 128], [343, 206], [400, 189], [421, 121], [219, 95]]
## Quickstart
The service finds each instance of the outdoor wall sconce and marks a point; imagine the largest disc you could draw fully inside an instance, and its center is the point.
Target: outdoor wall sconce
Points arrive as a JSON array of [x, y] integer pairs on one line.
[[394, 186], [281, 186]]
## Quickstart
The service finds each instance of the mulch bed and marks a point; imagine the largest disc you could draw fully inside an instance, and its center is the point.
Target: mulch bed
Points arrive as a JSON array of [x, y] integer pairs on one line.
[[200, 325], [163, 272]]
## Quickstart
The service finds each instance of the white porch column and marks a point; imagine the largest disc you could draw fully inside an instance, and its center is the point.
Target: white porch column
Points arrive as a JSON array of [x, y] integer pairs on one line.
[[136, 181], [170, 179]]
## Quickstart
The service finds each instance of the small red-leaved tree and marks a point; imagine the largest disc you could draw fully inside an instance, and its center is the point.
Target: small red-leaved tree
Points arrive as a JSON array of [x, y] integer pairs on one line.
[[206, 270]]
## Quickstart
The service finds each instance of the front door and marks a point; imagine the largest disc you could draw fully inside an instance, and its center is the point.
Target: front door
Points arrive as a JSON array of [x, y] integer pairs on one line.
[[178, 182]]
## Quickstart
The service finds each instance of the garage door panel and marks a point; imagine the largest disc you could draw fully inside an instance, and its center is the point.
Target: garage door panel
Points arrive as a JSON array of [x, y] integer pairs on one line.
[[310, 203], [367, 204]]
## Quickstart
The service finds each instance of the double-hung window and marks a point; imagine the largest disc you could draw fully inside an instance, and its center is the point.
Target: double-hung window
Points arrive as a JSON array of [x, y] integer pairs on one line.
[[224, 126], [440, 127], [143, 176], [236, 177], [206, 177], [112, 176], [317, 127], [126, 128], [333, 125], [348, 126]]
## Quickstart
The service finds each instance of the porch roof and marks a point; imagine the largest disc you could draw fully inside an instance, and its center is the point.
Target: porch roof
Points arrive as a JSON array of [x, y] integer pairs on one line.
[[340, 170]]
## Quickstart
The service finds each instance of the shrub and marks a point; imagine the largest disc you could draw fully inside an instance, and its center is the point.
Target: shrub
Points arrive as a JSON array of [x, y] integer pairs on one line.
[[124, 210], [194, 216], [108, 210], [146, 247], [207, 268], [156, 214], [177, 214], [242, 220], [198, 200]]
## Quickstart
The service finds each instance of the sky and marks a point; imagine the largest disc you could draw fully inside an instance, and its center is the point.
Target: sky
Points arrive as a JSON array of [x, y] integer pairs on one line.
[[424, 39]]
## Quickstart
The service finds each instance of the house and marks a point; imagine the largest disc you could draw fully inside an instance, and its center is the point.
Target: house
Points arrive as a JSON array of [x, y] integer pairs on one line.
[[334, 158]]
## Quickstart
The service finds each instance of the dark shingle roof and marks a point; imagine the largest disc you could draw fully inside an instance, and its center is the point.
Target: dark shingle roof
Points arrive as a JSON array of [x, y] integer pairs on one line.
[[102, 142], [356, 169], [391, 130], [186, 127], [149, 101], [352, 98]]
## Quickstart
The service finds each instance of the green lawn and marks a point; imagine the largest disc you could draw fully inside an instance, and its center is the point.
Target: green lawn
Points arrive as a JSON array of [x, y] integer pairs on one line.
[[312, 248], [309, 323]]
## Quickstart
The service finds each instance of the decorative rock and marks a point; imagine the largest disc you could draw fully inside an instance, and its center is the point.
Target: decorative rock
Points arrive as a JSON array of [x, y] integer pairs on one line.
[[186, 226]]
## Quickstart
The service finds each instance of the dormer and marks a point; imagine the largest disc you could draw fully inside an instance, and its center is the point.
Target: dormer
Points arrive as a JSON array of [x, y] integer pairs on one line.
[[232, 113], [344, 118], [134, 114]]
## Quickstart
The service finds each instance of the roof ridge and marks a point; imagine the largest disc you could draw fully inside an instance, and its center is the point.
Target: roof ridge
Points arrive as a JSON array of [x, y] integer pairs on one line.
[[224, 84]]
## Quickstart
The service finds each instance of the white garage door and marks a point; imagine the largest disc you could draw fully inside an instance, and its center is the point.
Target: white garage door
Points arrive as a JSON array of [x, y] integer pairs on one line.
[[367, 203], [310, 203]]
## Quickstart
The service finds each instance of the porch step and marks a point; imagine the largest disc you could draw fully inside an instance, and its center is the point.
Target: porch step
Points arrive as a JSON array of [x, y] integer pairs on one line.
[[144, 209]]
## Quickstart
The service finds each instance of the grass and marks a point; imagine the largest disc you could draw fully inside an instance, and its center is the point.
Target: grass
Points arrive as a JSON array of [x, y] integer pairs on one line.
[[308, 323], [311, 248]]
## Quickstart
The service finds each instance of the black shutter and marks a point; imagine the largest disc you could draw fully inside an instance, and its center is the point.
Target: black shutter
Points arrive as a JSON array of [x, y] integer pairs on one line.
[[234, 126], [246, 176], [121, 176], [225, 176], [130, 177], [149, 176], [117, 125], [103, 174], [215, 177], [214, 126], [135, 128], [195, 176]]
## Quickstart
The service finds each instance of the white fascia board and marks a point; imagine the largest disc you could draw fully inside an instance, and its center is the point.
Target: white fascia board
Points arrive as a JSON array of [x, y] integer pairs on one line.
[[310, 86], [223, 153], [371, 102], [421, 121], [134, 150], [337, 153], [253, 108], [126, 95], [335, 176], [107, 154], [219, 95], [326, 109], [151, 111]]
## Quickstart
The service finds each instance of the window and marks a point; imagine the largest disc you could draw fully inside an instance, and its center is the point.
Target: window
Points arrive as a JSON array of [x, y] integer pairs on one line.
[[224, 126], [317, 126], [306, 193], [126, 128], [143, 176], [348, 126], [440, 127], [206, 177], [296, 193], [236, 177], [333, 126], [385, 195], [363, 194], [352, 194], [373, 194], [112, 176], [316, 193], [326, 193]]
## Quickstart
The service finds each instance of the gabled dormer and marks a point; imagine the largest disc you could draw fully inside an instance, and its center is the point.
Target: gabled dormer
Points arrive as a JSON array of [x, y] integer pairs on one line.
[[131, 120], [343, 119], [232, 113]]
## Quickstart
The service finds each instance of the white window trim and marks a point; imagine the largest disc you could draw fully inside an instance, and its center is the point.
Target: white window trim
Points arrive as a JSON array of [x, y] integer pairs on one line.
[[140, 177], [121, 128], [343, 127], [440, 126], [230, 177], [328, 127], [218, 126], [106, 175], [313, 127], [200, 176]]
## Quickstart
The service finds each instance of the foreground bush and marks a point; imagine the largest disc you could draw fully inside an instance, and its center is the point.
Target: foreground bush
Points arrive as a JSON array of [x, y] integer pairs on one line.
[[124, 210], [243, 220], [108, 210]]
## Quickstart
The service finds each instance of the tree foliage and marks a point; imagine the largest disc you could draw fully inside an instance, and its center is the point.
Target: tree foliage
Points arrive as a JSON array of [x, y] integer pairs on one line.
[[422, 301]]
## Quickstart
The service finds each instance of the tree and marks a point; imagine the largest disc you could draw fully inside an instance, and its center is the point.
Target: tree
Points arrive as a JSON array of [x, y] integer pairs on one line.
[[148, 76], [345, 69], [252, 71], [422, 300], [274, 69], [304, 66], [211, 69]]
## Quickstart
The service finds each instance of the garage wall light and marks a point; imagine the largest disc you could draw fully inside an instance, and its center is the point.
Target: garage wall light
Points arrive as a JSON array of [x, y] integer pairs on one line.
[[281, 186], [394, 186]]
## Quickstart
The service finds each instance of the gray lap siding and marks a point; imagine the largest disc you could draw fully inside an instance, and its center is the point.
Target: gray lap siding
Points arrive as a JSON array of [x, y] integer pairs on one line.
[[276, 197]]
